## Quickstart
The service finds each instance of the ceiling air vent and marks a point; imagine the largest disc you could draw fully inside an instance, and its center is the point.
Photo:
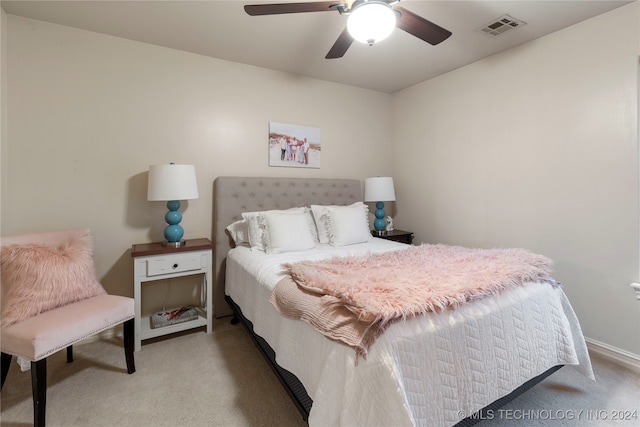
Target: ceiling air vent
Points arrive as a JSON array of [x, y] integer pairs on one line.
[[501, 25]]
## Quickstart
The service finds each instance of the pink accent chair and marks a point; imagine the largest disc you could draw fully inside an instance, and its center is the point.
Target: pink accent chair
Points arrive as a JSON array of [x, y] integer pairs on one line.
[[38, 337]]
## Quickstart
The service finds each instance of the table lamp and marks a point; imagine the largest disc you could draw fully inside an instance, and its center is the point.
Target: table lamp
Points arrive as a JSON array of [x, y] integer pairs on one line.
[[172, 183], [379, 190]]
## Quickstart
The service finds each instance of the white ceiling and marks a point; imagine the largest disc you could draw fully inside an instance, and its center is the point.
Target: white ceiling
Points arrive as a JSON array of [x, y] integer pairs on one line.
[[298, 43]]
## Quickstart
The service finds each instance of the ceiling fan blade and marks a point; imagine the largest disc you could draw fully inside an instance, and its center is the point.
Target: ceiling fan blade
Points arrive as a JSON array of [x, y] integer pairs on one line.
[[341, 45], [279, 8], [420, 27]]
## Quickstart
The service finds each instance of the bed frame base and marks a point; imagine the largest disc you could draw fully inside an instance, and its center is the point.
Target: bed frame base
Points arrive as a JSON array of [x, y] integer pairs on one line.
[[292, 385], [303, 402], [483, 413]]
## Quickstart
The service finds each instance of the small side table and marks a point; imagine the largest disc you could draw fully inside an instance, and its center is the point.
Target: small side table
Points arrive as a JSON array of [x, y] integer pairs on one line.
[[395, 235], [153, 261]]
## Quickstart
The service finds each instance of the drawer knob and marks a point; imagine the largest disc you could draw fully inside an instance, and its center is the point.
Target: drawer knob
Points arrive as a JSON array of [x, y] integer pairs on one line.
[[175, 266]]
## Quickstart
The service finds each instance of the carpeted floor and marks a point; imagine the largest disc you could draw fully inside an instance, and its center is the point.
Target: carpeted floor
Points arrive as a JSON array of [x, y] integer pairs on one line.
[[199, 380]]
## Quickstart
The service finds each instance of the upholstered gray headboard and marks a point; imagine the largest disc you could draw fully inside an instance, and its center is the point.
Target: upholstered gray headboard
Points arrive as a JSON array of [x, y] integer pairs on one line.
[[234, 195]]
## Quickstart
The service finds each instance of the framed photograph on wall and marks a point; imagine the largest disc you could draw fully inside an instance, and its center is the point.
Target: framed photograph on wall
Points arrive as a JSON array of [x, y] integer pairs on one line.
[[294, 146]]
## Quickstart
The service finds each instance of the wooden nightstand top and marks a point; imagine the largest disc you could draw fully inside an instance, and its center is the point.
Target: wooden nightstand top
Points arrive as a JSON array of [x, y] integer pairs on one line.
[[396, 235], [156, 248]]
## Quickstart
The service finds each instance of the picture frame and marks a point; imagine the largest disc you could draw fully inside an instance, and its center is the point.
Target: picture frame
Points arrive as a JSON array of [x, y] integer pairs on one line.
[[294, 146]]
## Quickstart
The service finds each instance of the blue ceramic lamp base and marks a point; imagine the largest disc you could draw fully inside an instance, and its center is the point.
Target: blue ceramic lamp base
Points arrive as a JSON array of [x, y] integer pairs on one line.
[[173, 232], [379, 224]]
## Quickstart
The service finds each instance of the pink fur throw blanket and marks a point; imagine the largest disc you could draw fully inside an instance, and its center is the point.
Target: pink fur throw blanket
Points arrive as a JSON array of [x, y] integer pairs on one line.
[[353, 299]]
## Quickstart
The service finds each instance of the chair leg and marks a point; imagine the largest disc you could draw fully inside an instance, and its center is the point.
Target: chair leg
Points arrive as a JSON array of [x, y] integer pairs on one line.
[[129, 344], [6, 364], [70, 354], [39, 391]]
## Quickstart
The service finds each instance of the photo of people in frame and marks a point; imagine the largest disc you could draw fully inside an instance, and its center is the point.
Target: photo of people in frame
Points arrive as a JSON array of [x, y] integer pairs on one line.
[[294, 146]]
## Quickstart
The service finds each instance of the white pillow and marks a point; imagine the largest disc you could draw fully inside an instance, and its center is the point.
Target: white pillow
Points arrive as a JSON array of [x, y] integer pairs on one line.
[[348, 225], [256, 230], [239, 232], [287, 232], [321, 218]]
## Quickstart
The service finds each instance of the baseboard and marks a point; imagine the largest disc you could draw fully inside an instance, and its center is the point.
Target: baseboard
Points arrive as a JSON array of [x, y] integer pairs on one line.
[[621, 357]]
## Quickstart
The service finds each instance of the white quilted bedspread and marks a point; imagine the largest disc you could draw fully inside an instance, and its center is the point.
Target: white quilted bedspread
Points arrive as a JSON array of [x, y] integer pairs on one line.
[[428, 371]]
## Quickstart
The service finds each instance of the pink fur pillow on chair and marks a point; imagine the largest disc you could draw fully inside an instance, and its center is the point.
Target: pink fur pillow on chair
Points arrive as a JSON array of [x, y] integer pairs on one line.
[[37, 277]]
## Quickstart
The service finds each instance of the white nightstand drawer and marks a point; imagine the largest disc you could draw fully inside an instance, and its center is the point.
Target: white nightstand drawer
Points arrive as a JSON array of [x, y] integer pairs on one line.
[[173, 264]]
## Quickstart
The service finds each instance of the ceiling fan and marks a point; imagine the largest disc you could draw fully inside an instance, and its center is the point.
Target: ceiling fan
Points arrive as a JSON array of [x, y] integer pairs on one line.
[[370, 21]]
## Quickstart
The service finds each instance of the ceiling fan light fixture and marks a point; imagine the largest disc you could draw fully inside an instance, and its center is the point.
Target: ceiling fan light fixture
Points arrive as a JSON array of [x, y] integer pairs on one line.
[[371, 22]]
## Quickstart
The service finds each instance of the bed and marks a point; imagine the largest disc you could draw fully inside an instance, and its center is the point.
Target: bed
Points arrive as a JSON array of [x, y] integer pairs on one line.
[[437, 369]]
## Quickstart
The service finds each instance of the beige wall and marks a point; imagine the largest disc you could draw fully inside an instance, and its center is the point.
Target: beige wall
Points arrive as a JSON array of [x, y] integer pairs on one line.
[[536, 147], [89, 113], [3, 107]]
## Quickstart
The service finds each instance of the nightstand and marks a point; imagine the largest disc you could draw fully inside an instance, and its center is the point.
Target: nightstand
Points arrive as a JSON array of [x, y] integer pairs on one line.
[[395, 235], [153, 262]]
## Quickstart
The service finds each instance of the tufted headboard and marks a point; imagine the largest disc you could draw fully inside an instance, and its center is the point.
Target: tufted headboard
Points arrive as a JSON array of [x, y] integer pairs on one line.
[[234, 195]]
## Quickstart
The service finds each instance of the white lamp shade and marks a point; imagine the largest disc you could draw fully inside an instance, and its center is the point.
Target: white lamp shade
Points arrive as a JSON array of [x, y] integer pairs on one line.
[[371, 22], [379, 189], [172, 182]]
